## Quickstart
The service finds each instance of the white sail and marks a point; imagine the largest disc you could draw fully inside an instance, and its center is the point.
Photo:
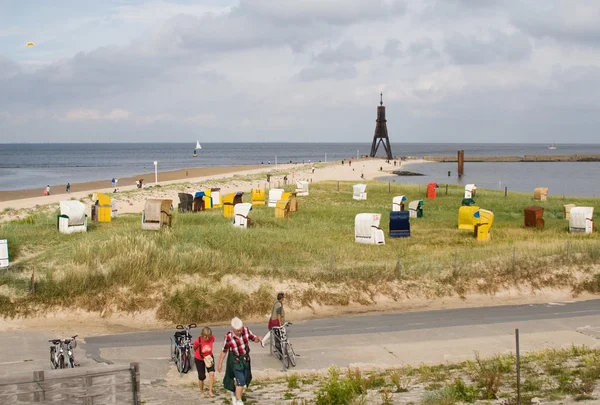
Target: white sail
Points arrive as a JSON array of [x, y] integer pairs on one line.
[[198, 145]]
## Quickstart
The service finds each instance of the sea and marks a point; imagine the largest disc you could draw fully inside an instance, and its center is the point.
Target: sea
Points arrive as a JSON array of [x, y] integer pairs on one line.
[[26, 166]]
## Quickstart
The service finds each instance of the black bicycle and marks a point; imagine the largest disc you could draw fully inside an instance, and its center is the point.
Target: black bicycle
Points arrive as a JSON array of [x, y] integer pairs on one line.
[[181, 348], [61, 353], [281, 347]]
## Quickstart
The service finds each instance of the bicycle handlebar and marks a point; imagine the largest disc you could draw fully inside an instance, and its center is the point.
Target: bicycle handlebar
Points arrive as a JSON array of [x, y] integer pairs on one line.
[[190, 326]]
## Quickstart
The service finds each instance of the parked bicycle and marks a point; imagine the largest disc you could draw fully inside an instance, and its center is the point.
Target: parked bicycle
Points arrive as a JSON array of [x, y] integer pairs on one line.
[[61, 353], [281, 347], [182, 348]]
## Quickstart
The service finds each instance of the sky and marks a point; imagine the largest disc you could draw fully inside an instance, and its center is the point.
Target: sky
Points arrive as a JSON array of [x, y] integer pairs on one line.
[[299, 70]]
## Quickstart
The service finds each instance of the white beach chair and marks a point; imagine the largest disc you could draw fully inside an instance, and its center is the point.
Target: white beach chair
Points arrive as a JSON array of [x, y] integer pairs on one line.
[[397, 203], [359, 192], [274, 196], [72, 217], [240, 215], [301, 188], [4, 261], [470, 190], [581, 220], [366, 229]]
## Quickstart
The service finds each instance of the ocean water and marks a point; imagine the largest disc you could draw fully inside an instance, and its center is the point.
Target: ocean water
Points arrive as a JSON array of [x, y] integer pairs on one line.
[[24, 166]]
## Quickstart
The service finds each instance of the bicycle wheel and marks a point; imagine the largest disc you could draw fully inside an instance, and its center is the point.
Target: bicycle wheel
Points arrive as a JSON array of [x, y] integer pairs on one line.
[[61, 361], [285, 359], [180, 362], [291, 354], [186, 362], [70, 363]]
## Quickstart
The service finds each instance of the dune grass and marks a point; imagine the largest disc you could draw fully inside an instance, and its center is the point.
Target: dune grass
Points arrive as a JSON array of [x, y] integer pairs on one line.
[[204, 268]]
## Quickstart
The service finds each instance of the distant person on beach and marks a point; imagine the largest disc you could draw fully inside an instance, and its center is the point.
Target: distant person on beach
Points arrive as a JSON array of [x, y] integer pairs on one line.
[[68, 187], [205, 361], [137, 184], [236, 347], [342, 162], [268, 178], [47, 191], [313, 170], [113, 182], [186, 173], [285, 179]]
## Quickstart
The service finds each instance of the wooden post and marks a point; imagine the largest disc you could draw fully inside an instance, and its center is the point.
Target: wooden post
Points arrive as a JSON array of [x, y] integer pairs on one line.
[[446, 189], [338, 186], [389, 186], [518, 368], [505, 191], [39, 394], [87, 383], [135, 382]]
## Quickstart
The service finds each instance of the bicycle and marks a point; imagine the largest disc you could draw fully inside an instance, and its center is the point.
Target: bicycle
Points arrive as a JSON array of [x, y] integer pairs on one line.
[[57, 353], [181, 348], [284, 350]]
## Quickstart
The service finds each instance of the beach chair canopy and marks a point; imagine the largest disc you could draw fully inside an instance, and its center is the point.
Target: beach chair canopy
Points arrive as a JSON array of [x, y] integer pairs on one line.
[[397, 202], [581, 219], [468, 217], [399, 224], [359, 192], [467, 201], [482, 228], [567, 210], [431, 193], [74, 210], [470, 190], [533, 217], [540, 193], [366, 229], [153, 209], [199, 194], [240, 214], [101, 198], [302, 188], [274, 196]]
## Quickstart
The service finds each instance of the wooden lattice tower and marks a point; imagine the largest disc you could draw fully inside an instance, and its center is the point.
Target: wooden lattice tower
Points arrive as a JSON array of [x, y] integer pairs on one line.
[[381, 133]]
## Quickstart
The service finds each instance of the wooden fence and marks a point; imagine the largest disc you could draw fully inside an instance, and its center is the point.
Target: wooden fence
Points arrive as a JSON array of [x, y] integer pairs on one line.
[[86, 386]]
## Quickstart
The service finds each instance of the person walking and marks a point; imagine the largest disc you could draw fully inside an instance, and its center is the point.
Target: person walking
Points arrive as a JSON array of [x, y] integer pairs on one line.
[[238, 372], [277, 319], [48, 189], [68, 188], [205, 361]]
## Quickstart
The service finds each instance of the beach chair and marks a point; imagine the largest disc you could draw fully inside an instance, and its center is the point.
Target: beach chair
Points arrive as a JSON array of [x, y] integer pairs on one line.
[[72, 217], [102, 208], [359, 192], [302, 188], [533, 217], [156, 214], [482, 228], [431, 189], [229, 201], [258, 196], [215, 196], [240, 215], [199, 201], [282, 208], [540, 194], [415, 209], [399, 224], [274, 196], [186, 202], [398, 203], [470, 190], [366, 229], [4, 260], [468, 217], [293, 201], [567, 210], [581, 220]]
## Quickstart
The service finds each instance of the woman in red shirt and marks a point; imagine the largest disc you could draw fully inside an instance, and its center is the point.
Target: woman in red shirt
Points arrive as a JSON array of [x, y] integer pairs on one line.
[[204, 359]]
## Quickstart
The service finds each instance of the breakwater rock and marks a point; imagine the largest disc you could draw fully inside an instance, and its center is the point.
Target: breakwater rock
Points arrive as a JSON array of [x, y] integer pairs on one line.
[[406, 173]]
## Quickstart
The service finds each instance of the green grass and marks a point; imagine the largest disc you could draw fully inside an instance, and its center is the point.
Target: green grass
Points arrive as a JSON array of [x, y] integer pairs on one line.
[[203, 268]]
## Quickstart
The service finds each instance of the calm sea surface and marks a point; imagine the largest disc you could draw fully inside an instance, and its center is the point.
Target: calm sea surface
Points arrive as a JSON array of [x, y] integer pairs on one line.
[[24, 166]]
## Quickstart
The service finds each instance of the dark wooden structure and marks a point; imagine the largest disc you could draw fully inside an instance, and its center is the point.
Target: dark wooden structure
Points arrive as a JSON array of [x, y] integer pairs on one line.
[[381, 133], [533, 217], [461, 162]]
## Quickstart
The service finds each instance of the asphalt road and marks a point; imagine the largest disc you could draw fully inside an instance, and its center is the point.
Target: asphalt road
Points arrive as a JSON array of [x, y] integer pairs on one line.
[[365, 341]]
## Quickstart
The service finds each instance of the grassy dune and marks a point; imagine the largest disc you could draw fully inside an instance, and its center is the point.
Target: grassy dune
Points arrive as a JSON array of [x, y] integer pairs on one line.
[[204, 269]]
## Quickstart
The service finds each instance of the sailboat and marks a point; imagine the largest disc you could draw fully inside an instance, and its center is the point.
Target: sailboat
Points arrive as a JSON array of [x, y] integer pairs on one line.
[[197, 148], [552, 147]]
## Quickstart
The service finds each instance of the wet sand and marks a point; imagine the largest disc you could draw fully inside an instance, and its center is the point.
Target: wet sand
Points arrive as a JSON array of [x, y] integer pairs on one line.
[[57, 189]]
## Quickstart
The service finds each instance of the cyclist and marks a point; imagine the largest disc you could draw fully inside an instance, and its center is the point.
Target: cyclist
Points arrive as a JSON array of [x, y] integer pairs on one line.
[[238, 373]]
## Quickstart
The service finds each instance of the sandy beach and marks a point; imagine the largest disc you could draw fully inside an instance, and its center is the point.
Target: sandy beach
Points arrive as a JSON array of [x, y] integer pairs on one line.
[[16, 204]]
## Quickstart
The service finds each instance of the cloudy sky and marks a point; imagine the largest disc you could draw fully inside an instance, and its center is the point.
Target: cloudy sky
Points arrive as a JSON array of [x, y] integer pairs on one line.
[[299, 70]]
